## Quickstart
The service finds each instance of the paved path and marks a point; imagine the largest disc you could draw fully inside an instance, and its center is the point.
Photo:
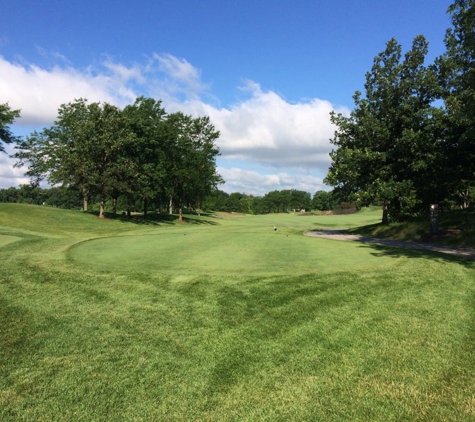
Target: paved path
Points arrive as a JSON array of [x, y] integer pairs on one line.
[[338, 235]]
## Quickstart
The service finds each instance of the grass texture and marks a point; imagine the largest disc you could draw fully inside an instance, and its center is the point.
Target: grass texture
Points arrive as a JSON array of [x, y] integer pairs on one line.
[[225, 319]]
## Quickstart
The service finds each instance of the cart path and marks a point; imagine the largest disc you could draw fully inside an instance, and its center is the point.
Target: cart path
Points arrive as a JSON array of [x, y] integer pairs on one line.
[[338, 235]]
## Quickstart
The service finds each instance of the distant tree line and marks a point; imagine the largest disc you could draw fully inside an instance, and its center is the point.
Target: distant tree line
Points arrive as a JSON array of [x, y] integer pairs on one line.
[[60, 197], [276, 201], [273, 202], [139, 153], [399, 147]]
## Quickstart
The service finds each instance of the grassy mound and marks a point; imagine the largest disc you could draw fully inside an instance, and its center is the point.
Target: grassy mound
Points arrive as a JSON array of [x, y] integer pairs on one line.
[[224, 250]]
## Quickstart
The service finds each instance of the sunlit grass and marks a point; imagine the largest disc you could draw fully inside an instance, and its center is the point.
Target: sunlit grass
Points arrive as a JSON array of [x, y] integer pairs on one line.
[[391, 338]]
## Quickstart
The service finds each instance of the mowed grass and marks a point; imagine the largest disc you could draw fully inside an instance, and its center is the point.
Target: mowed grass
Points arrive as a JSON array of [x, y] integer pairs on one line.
[[251, 247], [113, 320]]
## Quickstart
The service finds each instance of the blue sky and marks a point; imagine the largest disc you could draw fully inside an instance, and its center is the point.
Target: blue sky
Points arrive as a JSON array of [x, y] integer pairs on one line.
[[266, 72]]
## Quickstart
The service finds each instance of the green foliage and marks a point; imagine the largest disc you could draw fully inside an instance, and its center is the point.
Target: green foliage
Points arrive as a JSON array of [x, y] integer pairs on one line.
[[81, 149], [324, 201], [61, 197], [456, 71], [272, 202], [191, 160], [139, 152], [396, 149], [387, 148], [286, 200], [7, 117], [215, 201]]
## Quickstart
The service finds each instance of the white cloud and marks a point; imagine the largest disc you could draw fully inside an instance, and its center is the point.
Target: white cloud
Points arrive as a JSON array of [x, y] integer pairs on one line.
[[290, 141], [10, 176], [267, 129], [174, 81], [39, 92], [252, 182], [180, 72]]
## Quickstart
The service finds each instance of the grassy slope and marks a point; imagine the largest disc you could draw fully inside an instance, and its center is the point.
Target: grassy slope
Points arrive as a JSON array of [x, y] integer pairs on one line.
[[456, 228], [392, 342]]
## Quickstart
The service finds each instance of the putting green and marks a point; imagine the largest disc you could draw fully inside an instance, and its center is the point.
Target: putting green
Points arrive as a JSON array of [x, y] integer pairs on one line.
[[226, 252], [6, 239]]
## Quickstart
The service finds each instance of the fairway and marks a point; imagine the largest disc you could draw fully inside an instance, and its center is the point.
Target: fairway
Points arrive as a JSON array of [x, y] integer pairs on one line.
[[226, 250], [226, 319]]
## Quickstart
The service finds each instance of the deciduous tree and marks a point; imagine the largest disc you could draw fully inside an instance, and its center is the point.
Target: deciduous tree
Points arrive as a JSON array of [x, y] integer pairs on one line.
[[457, 78], [384, 148], [7, 117]]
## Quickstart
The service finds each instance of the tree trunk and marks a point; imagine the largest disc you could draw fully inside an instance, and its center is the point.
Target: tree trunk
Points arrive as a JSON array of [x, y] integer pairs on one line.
[[170, 205], [180, 214], [84, 196], [128, 206], [145, 207], [101, 210], [114, 205], [385, 219]]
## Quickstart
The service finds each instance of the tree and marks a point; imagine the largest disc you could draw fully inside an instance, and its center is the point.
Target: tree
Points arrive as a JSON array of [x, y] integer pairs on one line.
[[323, 201], [7, 117], [387, 146], [138, 152], [144, 169], [216, 201], [60, 154], [300, 200], [82, 149], [233, 203], [191, 153], [456, 71], [278, 201]]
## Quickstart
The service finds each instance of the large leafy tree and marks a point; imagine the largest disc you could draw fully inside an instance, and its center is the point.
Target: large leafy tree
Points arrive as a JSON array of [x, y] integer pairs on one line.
[[324, 201], [107, 149], [60, 153], [300, 200], [84, 148], [7, 117], [457, 78], [386, 147], [138, 152], [190, 160], [144, 169]]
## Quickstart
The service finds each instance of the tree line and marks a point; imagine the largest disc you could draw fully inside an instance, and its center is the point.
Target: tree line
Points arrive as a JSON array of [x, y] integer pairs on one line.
[[138, 152], [272, 202], [276, 201], [409, 141]]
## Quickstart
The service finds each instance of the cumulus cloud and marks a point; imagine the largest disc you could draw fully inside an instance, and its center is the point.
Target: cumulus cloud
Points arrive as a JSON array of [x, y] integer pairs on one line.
[[267, 129], [10, 176], [252, 182], [39, 92], [290, 140]]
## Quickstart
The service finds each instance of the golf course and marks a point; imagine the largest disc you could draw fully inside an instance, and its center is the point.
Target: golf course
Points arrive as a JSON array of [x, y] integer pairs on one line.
[[228, 317]]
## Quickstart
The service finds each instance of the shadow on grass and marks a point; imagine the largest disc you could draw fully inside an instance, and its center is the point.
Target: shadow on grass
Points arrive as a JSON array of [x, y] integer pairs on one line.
[[154, 219], [409, 252], [363, 230], [455, 228]]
